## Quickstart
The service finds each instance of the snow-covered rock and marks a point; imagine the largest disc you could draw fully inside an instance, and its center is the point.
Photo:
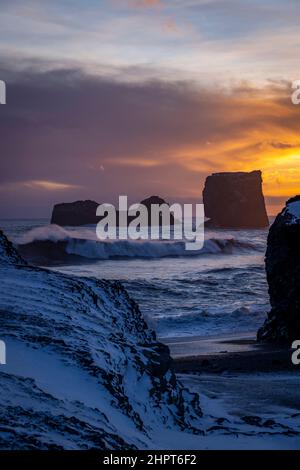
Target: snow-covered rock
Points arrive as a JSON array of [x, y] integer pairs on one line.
[[83, 369], [283, 275], [292, 210], [8, 254], [84, 372]]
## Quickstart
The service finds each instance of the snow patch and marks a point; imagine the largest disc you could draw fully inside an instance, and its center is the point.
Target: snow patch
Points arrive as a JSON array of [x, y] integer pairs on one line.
[[293, 209]]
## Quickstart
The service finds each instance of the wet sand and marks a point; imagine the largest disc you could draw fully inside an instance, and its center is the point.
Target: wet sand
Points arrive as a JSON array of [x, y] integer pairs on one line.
[[231, 353]]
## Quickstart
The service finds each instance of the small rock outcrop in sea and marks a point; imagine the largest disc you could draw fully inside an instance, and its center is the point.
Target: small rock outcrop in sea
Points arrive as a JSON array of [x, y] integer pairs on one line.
[[156, 200], [235, 200], [75, 213], [83, 369], [84, 212], [283, 275]]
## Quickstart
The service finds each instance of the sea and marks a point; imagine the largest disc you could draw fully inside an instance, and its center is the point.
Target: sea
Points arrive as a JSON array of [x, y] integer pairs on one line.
[[218, 290]]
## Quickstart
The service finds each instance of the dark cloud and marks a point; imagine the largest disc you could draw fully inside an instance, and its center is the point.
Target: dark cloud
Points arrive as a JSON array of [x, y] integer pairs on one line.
[[283, 145], [109, 137]]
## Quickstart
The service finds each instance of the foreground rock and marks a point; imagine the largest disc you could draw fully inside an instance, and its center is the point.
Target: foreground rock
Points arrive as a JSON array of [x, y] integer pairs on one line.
[[283, 275], [84, 372], [235, 200], [83, 369]]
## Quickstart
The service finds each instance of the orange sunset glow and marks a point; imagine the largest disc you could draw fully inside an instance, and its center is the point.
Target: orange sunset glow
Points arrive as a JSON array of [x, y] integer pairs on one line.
[[120, 108]]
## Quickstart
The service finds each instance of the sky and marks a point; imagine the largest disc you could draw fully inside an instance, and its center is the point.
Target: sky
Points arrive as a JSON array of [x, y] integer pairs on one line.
[[142, 97]]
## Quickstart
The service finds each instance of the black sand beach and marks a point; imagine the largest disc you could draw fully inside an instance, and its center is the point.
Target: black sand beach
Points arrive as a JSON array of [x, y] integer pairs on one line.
[[236, 376], [231, 353]]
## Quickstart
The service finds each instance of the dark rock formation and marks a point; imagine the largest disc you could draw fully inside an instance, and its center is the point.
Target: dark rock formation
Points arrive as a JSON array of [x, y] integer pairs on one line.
[[157, 201], [235, 200], [75, 213], [153, 200], [48, 252], [283, 275], [8, 253], [94, 375], [84, 212]]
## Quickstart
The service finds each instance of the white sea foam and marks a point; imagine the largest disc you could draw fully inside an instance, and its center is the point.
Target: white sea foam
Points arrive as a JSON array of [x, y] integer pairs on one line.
[[55, 233], [83, 242]]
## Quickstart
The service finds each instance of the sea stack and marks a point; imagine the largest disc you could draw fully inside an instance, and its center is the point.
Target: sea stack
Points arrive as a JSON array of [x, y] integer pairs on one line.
[[235, 200], [156, 200], [283, 275], [75, 213], [84, 212]]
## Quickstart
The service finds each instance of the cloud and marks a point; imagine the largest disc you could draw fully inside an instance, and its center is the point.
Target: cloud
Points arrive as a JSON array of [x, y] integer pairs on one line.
[[50, 185], [146, 3], [284, 145], [37, 184], [134, 162], [171, 26], [207, 40], [60, 128]]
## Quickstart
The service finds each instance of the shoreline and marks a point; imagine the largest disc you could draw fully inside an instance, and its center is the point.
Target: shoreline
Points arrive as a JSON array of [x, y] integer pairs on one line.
[[228, 353]]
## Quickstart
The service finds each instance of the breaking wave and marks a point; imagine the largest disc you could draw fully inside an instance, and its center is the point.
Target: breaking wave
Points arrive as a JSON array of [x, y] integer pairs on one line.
[[54, 242], [212, 321]]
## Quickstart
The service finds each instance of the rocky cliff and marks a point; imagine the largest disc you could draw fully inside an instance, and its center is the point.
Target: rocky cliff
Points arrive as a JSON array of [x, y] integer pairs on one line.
[[83, 369], [283, 275], [235, 200]]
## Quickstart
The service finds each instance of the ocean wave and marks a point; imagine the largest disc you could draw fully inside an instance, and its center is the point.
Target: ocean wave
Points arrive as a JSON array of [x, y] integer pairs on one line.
[[211, 321], [54, 241], [214, 313]]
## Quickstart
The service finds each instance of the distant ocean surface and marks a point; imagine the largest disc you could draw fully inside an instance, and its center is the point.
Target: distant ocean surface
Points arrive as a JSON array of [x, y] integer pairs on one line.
[[220, 290]]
